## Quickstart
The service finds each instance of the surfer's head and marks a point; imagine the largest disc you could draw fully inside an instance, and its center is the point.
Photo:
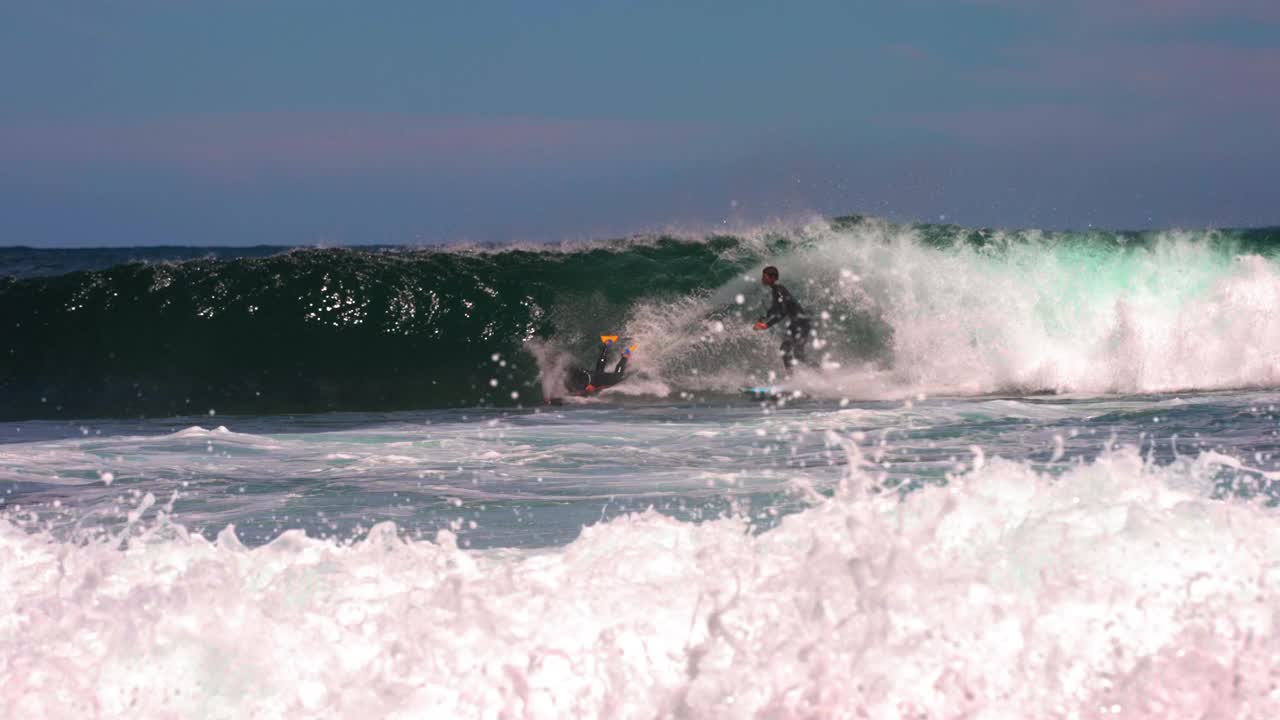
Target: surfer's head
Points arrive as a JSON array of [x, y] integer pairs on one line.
[[769, 276]]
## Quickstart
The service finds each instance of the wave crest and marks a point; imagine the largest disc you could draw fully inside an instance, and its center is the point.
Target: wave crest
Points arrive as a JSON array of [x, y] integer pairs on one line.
[[904, 309]]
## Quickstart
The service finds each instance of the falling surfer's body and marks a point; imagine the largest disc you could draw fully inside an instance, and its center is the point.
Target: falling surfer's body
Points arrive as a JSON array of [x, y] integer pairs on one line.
[[580, 381]]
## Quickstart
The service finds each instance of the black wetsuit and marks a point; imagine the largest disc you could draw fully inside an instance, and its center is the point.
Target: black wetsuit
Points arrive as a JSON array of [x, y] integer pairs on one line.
[[578, 379], [798, 328]]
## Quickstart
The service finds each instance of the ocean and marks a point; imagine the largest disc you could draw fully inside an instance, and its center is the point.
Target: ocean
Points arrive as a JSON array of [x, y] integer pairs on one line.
[[1031, 474]]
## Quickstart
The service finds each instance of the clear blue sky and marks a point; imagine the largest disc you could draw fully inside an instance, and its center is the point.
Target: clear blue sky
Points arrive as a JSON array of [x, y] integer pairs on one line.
[[407, 121]]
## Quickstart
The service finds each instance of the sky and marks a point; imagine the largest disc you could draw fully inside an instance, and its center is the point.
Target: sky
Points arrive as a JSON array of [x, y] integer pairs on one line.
[[286, 122]]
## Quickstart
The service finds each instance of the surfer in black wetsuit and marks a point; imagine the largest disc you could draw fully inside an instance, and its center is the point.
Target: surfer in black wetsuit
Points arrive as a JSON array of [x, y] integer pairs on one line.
[[587, 382], [785, 307]]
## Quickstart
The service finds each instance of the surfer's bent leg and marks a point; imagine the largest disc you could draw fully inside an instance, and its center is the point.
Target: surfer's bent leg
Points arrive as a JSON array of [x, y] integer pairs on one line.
[[802, 341], [788, 352], [793, 348]]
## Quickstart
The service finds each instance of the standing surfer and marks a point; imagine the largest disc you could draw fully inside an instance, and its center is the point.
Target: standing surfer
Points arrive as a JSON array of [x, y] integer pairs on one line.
[[797, 325]]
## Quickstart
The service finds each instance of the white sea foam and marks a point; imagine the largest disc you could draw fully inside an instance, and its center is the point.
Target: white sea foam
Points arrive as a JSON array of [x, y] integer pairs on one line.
[[898, 316], [1117, 589]]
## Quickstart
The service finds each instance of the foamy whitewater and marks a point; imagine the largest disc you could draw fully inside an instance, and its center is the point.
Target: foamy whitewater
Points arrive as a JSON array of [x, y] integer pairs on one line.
[[1035, 476]]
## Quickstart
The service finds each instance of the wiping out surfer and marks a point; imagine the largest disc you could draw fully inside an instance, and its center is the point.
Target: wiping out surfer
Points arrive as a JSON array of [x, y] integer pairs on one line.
[[785, 307], [587, 382]]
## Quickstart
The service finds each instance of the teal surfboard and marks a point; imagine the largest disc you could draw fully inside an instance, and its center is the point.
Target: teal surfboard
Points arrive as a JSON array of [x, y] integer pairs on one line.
[[767, 392]]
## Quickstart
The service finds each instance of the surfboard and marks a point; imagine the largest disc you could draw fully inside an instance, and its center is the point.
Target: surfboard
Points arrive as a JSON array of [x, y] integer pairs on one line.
[[767, 392]]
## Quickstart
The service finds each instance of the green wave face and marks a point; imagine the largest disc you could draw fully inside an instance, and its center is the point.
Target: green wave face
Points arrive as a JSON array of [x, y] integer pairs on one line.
[[903, 309], [312, 330]]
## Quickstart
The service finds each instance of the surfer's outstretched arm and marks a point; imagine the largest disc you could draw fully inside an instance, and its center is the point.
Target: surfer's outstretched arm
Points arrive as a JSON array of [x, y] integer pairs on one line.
[[771, 316]]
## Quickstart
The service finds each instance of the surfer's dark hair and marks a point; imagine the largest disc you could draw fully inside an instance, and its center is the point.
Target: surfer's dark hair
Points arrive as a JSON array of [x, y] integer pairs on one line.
[[772, 272]]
